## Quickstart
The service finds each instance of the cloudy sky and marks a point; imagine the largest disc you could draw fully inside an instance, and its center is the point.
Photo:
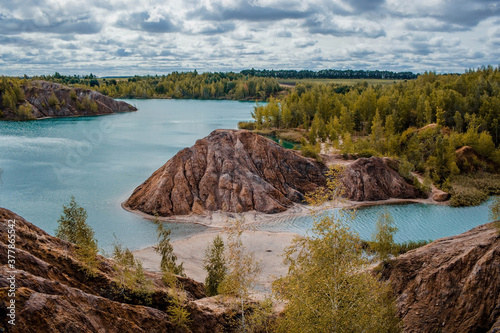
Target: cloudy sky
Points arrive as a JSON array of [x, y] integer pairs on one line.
[[124, 37]]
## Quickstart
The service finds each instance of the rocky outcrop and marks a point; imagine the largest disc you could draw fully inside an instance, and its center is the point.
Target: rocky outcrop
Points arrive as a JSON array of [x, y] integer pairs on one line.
[[229, 170], [450, 285], [439, 196], [54, 295], [46, 99], [370, 179]]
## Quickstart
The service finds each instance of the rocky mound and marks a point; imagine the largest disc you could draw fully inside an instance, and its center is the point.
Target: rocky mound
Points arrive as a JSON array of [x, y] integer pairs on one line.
[[370, 179], [450, 285], [54, 295], [229, 170], [45, 99], [468, 160]]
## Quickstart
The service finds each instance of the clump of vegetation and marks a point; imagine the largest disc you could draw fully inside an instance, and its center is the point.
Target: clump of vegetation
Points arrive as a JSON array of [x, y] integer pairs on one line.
[[242, 267], [178, 314], [248, 125], [72, 227], [309, 150], [495, 212], [327, 288], [383, 238], [54, 101], [215, 265], [25, 112], [397, 248], [166, 250], [130, 275], [87, 104], [471, 190]]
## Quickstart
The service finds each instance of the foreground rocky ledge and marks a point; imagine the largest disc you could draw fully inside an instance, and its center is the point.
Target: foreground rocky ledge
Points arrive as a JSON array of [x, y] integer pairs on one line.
[[50, 100], [54, 295], [239, 171], [450, 285]]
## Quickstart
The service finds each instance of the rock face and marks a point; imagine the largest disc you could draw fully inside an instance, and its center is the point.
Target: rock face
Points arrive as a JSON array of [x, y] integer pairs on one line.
[[53, 295], [46, 99], [370, 179], [450, 285], [229, 170]]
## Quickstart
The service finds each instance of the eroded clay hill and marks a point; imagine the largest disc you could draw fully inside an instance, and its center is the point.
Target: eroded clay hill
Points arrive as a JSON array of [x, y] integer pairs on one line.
[[370, 179], [229, 170], [450, 285]]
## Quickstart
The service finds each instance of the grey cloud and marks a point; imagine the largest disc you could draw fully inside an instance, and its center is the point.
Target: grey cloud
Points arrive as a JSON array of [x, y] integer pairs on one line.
[[360, 6], [304, 44], [78, 25], [430, 24], [123, 53], [216, 29], [360, 53], [320, 25], [284, 34], [460, 14], [248, 11], [141, 21]]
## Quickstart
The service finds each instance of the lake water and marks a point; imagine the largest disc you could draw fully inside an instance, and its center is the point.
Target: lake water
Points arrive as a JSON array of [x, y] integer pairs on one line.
[[101, 160]]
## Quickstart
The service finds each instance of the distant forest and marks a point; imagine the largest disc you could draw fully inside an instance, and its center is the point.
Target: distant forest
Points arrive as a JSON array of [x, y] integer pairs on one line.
[[330, 74]]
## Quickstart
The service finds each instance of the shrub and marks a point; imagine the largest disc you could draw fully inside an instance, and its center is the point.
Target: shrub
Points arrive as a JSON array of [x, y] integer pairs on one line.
[[248, 125], [472, 190]]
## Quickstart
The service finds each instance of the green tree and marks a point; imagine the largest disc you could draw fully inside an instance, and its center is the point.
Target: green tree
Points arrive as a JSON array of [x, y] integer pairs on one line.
[[243, 269], [215, 265], [73, 227], [495, 209], [383, 240], [327, 288], [130, 273], [168, 262]]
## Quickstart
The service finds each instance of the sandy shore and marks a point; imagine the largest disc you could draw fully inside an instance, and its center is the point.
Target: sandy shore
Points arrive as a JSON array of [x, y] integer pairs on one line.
[[267, 246]]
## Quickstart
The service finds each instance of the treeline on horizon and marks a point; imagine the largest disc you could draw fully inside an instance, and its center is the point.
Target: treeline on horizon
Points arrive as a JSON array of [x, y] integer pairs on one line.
[[330, 74], [422, 122]]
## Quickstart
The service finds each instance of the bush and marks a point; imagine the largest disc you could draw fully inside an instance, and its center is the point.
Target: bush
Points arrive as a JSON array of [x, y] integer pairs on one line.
[[472, 190], [309, 150], [72, 227], [248, 125]]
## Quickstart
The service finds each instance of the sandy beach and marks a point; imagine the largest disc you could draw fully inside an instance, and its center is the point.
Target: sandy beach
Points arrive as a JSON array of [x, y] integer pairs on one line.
[[267, 246]]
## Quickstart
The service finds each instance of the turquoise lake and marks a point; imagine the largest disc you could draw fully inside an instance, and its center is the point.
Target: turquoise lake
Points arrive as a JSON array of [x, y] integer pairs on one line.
[[101, 160]]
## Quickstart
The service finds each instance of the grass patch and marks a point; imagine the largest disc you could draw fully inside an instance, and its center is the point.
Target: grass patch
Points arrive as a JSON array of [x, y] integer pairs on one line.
[[473, 189]]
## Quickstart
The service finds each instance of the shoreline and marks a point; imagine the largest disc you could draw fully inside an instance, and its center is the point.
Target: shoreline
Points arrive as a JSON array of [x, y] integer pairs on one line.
[[217, 219]]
